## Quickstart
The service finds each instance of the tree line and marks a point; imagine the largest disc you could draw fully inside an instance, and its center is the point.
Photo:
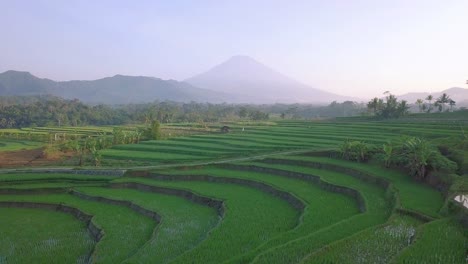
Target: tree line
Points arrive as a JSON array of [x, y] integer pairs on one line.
[[391, 107], [17, 112], [440, 104], [31, 111]]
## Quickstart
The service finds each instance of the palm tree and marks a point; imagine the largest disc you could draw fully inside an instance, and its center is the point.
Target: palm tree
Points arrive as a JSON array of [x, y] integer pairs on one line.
[[443, 99], [417, 153], [429, 98], [402, 108], [388, 154], [452, 104], [419, 102]]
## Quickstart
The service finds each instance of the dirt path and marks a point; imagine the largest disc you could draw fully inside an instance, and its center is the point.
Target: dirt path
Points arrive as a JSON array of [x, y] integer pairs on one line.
[[120, 169]]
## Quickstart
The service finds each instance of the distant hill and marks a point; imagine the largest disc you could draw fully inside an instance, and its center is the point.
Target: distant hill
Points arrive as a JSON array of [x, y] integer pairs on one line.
[[252, 82], [118, 89], [459, 95], [23, 83]]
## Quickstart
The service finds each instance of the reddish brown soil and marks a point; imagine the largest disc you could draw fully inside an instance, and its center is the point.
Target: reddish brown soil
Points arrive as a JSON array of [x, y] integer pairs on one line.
[[31, 157]]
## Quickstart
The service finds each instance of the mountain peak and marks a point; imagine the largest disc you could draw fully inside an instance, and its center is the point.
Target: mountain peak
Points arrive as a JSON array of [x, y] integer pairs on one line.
[[241, 67], [241, 62], [455, 89], [242, 58], [255, 82], [16, 73]]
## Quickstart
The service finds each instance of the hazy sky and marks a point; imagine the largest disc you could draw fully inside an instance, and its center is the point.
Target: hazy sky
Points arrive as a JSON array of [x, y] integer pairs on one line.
[[358, 48]]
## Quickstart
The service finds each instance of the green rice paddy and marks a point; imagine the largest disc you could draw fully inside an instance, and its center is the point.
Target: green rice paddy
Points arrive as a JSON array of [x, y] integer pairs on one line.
[[245, 202]]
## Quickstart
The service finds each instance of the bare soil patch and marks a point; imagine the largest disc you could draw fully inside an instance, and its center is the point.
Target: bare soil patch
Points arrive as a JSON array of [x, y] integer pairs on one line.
[[31, 157]]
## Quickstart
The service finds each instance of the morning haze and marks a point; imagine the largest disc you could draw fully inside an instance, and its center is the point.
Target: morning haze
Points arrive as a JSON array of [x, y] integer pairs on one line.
[[357, 49], [212, 131]]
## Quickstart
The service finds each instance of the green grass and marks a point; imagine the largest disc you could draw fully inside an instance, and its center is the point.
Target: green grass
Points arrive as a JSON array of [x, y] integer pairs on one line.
[[12, 144], [257, 227], [413, 195], [331, 207], [148, 155], [440, 241], [282, 135], [125, 230], [296, 249], [374, 245], [26, 237], [252, 217], [184, 224], [166, 149]]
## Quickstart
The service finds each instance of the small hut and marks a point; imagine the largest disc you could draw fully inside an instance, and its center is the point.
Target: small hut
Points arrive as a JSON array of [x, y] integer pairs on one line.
[[225, 129]]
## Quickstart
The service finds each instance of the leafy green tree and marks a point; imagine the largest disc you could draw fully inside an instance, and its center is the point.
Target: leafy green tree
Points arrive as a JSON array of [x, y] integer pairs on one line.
[[258, 115], [373, 105], [155, 130], [391, 108], [118, 136], [429, 98], [97, 156], [243, 112]]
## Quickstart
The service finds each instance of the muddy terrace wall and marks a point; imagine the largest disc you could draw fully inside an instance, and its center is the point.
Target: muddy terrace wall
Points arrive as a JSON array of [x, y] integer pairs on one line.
[[206, 201], [391, 191], [88, 182], [218, 205], [291, 199], [348, 171], [134, 207], [420, 217], [100, 172], [95, 231], [307, 177], [15, 191], [366, 177]]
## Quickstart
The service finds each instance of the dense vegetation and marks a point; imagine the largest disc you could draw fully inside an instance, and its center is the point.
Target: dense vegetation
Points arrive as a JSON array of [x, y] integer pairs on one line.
[[21, 111], [284, 191]]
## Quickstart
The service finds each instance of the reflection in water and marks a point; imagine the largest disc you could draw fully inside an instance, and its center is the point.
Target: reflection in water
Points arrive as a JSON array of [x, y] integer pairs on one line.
[[463, 199]]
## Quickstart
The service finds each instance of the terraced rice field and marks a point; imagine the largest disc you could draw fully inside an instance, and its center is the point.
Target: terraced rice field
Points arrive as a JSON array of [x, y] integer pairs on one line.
[[248, 203], [12, 144], [260, 139]]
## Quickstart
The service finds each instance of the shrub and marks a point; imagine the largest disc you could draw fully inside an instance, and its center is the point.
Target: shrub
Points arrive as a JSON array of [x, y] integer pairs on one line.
[[355, 150], [418, 155]]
